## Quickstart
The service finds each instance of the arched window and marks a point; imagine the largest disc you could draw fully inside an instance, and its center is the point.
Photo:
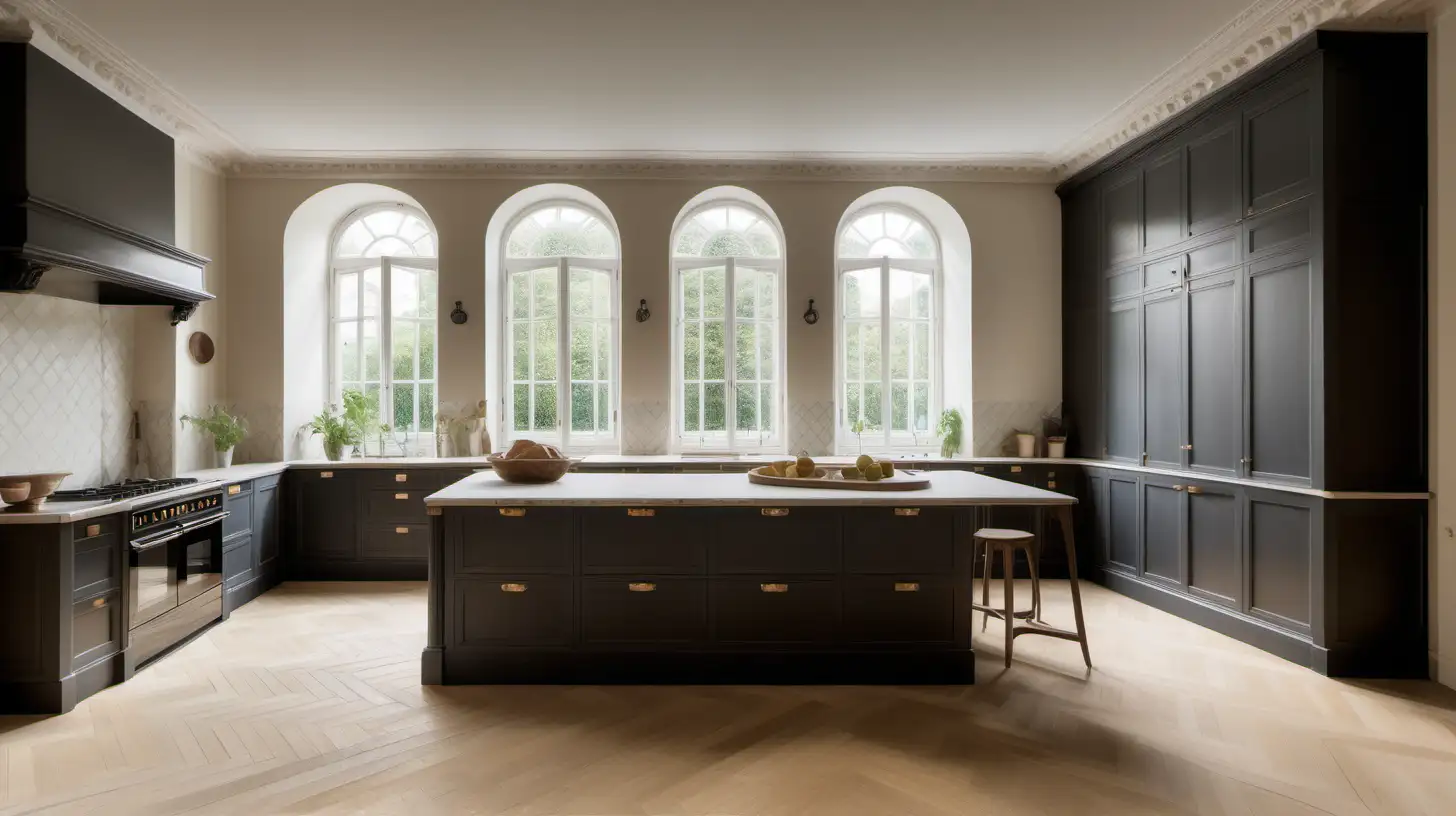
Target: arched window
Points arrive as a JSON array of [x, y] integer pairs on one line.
[[382, 319], [728, 347], [560, 270], [887, 335]]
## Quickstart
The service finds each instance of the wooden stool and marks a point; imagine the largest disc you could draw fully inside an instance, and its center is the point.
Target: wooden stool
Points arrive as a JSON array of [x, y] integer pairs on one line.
[[1007, 542]]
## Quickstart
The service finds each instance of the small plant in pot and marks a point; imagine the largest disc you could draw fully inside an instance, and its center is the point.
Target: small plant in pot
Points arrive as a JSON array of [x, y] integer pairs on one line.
[[225, 429], [949, 430], [338, 433]]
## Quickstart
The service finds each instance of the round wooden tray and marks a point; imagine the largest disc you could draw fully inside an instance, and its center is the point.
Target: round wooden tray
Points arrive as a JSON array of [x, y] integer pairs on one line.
[[832, 480]]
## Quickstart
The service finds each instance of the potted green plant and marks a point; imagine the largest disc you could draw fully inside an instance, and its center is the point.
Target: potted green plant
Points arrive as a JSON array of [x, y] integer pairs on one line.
[[225, 429], [949, 430], [337, 432], [363, 414]]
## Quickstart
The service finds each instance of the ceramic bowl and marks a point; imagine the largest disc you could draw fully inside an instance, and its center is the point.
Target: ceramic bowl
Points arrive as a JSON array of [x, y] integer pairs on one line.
[[28, 491], [530, 471]]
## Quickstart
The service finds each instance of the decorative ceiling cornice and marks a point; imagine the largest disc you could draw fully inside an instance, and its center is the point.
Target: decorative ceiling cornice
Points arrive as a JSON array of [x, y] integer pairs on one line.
[[1255, 35]]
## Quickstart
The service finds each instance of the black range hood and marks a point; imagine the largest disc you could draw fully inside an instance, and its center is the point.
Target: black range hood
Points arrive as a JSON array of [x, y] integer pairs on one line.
[[87, 194]]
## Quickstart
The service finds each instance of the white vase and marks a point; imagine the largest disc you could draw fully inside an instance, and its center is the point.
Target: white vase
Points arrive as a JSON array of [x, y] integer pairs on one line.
[[1026, 445], [477, 440], [1056, 448], [223, 459]]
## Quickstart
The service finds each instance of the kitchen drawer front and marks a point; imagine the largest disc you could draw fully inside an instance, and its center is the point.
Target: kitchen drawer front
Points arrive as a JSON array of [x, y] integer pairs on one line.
[[91, 528], [396, 541], [96, 628], [404, 479], [643, 541], [240, 514], [899, 609], [389, 504], [539, 541], [804, 540], [96, 566], [637, 609], [773, 611], [519, 610], [237, 489], [900, 540], [237, 561]]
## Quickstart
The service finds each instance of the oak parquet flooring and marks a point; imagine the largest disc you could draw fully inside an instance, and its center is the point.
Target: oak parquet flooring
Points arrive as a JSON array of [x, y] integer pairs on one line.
[[308, 702]]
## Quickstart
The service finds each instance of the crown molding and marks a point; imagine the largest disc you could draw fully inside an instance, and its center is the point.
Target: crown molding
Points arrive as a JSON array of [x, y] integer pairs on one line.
[[1256, 34]]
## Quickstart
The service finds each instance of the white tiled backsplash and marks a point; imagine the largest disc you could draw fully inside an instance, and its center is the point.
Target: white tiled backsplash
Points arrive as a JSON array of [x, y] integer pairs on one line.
[[65, 388]]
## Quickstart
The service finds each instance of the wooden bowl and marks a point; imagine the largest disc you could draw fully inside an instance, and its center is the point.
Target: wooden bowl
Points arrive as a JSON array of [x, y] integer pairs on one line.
[[28, 491], [530, 471]]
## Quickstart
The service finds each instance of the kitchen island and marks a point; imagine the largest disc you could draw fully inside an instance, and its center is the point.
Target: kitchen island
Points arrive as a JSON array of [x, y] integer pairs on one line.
[[702, 578]]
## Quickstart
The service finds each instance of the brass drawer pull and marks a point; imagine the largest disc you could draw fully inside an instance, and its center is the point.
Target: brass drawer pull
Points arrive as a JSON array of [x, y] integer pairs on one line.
[[1194, 490], [513, 587], [327, 474], [641, 512], [774, 512], [98, 603], [979, 468], [773, 587], [642, 587], [513, 512], [93, 530], [401, 496], [1178, 488], [402, 530], [1016, 468], [401, 477], [907, 511], [234, 490], [907, 586], [1052, 485]]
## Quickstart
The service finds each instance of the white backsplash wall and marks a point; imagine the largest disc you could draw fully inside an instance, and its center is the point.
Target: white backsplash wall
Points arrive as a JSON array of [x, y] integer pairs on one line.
[[994, 423], [65, 388]]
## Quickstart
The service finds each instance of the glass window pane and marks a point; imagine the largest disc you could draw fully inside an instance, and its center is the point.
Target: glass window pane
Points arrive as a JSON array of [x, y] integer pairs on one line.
[[346, 291], [862, 293], [692, 392], [766, 407], [403, 353], [887, 233], [601, 295], [853, 402], [604, 411], [692, 350], [391, 246], [766, 350], [347, 340], [870, 345], [922, 296], [429, 294], [768, 294], [902, 293], [544, 415], [353, 240], [852, 347], [922, 350], [427, 406], [727, 229], [745, 355], [543, 285], [715, 294], [900, 406], [692, 282], [745, 291], [545, 351], [747, 408], [425, 247], [872, 406], [922, 407], [583, 333], [521, 351], [373, 291], [715, 408], [371, 398], [900, 350], [581, 407], [404, 292], [385, 222], [604, 351], [370, 353], [427, 351], [404, 407], [521, 407], [714, 348], [520, 295], [582, 299]]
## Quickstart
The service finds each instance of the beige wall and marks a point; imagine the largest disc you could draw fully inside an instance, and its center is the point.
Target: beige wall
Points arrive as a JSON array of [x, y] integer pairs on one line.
[[1443, 346], [200, 207], [1015, 235]]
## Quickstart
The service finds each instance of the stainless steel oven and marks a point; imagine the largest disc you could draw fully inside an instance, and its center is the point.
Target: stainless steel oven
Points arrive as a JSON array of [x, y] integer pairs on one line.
[[175, 572]]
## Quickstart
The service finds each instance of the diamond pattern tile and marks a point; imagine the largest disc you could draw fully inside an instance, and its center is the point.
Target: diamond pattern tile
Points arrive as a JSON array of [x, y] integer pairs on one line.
[[994, 425], [811, 428]]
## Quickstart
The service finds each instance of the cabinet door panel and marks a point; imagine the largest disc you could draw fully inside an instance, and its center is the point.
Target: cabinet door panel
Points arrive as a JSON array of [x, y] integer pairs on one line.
[[1279, 149], [512, 611], [409, 542], [899, 609], [1163, 202], [1213, 179], [1122, 220], [773, 611], [326, 515], [1215, 381], [266, 515], [1214, 543], [1123, 384], [1279, 373], [538, 540], [657, 541], [805, 540], [1280, 540], [880, 540], [644, 610], [1162, 531], [1122, 522], [1163, 381]]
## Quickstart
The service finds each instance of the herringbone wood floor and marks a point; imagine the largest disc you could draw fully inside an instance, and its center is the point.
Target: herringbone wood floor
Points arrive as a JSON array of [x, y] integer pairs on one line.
[[308, 701]]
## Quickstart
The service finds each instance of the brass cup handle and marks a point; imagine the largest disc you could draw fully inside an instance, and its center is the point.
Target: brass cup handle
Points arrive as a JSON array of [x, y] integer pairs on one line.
[[401, 530], [401, 496], [234, 490], [1186, 447], [513, 587], [1178, 488], [401, 477], [774, 512], [773, 587], [907, 586], [641, 512], [907, 511], [642, 586], [513, 512], [1194, 490]]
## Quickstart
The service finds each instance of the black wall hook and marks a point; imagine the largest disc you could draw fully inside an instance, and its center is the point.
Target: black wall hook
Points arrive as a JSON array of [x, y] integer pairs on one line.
[[458, 316], [811, 315], [643, 312]]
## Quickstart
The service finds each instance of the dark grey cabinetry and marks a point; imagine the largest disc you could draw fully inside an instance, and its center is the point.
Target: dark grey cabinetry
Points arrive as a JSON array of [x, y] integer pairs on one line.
[[1215, 549], [251, 540], [1214, 376], [1165, 223], [325, 517], [1162, 534], [1162, 371], [1213, 174], [1123, 363], [1278, 366], [1280, 147]]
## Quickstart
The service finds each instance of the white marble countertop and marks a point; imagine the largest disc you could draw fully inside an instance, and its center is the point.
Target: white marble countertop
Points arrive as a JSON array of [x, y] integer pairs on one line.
[[947, 488], [387, 462], [65, 512]]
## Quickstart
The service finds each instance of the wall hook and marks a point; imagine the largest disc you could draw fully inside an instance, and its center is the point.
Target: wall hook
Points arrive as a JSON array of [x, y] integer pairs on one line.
[[458, 316], [811, 315], [643, 312]]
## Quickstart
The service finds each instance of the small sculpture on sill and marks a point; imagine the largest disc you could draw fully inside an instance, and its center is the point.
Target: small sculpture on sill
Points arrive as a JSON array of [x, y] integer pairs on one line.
[[462, 436]]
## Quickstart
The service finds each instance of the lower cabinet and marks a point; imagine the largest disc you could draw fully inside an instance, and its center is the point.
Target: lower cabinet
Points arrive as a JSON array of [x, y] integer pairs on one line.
[[360, 523], [1215, 551], [644, 610], [252, 535], [899, 609]]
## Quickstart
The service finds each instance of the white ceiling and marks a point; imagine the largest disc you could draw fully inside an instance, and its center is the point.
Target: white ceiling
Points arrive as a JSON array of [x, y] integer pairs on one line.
[[900, 79]]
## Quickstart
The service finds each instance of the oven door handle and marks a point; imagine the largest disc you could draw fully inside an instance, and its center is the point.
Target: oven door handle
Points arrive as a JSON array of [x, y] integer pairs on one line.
[[155, 541], [203, 522]]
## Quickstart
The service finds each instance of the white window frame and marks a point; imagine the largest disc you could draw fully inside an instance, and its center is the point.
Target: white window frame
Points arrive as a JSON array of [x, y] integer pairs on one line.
[[386, 263], [564, 438], [887, 440], [729, 440]]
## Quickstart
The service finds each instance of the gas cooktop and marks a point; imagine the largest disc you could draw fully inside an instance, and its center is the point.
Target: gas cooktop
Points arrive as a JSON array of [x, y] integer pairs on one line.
[[129, 489]]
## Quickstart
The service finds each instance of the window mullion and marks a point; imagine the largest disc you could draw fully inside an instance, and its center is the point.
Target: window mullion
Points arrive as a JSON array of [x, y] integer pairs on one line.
[[730, 355], [563, 347], [386, 344], [886, 418]]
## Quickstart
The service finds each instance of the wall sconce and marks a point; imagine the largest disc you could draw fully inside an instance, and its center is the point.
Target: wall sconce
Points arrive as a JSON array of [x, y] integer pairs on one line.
[[458, 316], [642, 311], [811, 315]]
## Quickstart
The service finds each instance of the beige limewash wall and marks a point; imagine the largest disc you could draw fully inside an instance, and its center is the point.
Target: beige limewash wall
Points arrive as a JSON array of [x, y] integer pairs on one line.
[[1015, 357]]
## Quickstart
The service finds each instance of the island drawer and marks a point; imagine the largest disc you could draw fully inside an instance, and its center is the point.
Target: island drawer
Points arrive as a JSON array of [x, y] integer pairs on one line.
[[780, 541], [900, 540], [637, 609], [96, 566], [899, 609], [96, 628], [396, 504], [753, 611], [532, 540], [402, 541], [512, 611], [642, 540]]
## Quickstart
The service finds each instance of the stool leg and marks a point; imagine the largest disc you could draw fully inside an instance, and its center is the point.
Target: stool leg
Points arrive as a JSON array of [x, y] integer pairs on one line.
[[1033, 555], [1064, 518], [986, 583], [1008, 563]]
